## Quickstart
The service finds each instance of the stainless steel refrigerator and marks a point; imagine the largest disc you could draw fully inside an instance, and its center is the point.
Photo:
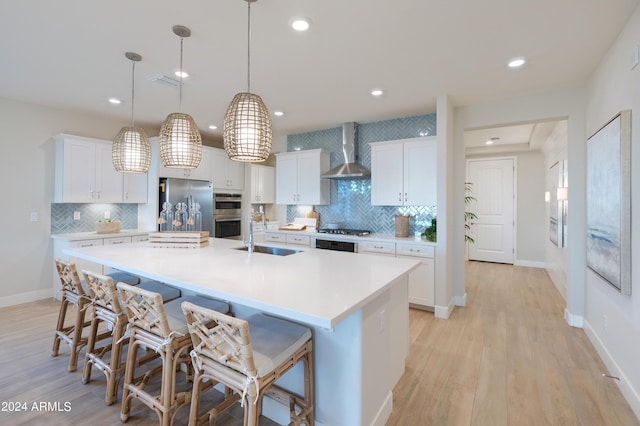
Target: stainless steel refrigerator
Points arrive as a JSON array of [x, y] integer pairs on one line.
[[188, 191]]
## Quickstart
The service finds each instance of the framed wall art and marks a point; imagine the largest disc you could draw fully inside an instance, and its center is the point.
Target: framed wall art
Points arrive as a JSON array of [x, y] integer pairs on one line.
[[609, 202]]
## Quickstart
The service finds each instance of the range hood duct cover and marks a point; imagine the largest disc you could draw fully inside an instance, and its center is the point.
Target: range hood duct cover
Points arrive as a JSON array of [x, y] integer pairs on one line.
[[349, 169]]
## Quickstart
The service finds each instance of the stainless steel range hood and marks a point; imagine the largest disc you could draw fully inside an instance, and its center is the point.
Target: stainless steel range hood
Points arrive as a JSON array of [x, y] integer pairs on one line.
[[349, 169]]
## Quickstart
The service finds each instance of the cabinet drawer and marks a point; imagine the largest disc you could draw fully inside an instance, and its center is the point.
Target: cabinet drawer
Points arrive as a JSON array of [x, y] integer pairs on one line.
[[119, 240], [377, 247], [416, 250], [275, 237], [139, 238], [86, 243], [302, 240]]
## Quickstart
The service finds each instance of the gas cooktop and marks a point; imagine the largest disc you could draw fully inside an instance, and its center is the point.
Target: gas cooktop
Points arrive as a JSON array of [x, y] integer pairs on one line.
[[343, 231]]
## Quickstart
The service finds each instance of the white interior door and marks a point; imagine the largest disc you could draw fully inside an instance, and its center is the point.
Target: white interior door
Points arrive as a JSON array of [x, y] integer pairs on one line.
[[493, 188]]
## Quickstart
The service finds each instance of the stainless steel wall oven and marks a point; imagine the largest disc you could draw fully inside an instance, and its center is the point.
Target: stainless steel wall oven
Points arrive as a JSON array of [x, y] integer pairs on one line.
[[227, 215]]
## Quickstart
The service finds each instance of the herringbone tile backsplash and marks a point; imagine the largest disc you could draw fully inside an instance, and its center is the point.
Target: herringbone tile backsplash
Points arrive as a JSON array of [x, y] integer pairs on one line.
[[351, 199], [62, 216]]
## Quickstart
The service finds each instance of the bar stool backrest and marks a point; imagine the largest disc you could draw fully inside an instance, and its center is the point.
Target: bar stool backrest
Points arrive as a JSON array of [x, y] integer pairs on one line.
[[221, 338], [69, 278], [103, 291], [144, 309]]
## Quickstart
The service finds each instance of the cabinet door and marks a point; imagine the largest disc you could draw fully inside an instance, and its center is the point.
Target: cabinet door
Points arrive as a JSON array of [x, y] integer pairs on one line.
[[134, 187], [287, 179], [312, 189], [422, 283], [77, 169], [267, 187], [387, 175], [420, 173], [203, 171], [235, 175], [108, 180]]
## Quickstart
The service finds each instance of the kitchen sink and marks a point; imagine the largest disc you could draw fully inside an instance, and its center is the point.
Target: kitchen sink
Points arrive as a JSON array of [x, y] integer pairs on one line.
[[276, 251]]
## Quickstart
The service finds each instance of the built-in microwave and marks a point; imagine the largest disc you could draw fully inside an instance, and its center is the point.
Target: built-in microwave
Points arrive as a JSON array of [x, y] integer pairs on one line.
[[227, 212]]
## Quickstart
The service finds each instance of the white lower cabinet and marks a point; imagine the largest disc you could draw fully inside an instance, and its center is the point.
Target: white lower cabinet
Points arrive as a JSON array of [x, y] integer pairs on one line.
[[62, 244], [422, 280], [299, 240], [288, 239], [378, 248]]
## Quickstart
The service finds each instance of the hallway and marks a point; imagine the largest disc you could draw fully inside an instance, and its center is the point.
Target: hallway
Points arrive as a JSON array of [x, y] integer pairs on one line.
[[507, 358]]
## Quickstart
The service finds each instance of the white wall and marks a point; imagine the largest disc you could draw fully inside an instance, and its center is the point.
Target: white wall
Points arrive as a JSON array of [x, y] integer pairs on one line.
[[612, 320], [555, 150], [26, 168]]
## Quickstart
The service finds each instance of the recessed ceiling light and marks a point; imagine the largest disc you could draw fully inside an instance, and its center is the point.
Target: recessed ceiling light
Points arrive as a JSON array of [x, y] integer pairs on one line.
[[491, 141], [278, 113], [516, 62], [299, 23], [376, 92], [115, 101], [213, 127], [182, 74]]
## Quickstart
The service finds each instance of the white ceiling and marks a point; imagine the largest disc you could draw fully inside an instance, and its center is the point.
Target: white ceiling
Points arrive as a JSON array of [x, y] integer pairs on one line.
[[70, 54]]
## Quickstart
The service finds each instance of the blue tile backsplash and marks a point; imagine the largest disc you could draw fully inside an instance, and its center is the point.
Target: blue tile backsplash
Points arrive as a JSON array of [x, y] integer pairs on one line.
[[351, 199], [62, 216]]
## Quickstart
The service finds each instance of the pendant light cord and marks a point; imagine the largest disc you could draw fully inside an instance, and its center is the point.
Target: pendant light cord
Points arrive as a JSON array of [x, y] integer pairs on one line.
[[181, 73], [133, 90], [249, 47]]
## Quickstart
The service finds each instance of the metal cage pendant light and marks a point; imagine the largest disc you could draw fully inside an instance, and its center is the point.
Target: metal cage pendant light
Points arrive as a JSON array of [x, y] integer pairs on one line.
[[180, 140], [131, 150], [247, 124]]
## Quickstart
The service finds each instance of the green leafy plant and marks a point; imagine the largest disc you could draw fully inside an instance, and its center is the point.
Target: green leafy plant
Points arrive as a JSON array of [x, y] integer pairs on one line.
[[468, 216], [430, 232]]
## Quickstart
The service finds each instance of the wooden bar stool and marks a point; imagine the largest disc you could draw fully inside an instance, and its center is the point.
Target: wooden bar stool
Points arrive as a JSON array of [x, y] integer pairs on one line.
[[74, 295], [156, 327], [225, 352], [106, 310]]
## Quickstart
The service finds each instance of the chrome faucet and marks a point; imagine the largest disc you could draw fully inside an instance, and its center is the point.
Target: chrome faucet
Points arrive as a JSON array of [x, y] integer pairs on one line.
[[249, 244]]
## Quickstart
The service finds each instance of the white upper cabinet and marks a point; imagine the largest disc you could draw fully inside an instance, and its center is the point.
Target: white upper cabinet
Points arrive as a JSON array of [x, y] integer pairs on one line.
[[263, 184], [403, 172], [226, 173], [134, 189], [298, 177], [84, 172], [202, 172]]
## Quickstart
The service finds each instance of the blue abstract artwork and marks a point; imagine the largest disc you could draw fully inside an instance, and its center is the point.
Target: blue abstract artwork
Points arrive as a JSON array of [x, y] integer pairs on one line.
[[608, 202]]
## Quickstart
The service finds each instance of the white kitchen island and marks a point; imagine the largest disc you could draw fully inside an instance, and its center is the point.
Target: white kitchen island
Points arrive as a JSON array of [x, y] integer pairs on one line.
[[356, 305]]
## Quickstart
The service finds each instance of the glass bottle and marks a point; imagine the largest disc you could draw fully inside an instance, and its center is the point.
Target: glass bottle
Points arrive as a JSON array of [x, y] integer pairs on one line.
[[194, 223], [166, 217], [180, 217]]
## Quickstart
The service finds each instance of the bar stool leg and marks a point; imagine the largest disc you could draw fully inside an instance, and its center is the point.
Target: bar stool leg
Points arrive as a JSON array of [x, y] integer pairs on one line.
[[64, 305], [93, 332]]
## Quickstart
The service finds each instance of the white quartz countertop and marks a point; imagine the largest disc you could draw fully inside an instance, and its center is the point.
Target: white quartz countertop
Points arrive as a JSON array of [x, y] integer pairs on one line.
[[317, 287], [355, 238], [80, 236]]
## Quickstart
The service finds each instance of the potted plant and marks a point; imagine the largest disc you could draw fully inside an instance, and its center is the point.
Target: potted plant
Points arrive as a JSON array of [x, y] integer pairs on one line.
[[430, 232], [468, 216]]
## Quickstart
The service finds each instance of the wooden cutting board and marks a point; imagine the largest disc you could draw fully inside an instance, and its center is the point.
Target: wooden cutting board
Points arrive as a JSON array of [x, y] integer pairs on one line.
[[312, 214]]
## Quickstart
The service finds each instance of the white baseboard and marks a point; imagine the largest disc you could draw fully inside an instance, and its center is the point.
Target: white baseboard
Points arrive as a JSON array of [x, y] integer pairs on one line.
[[573, 320], [444, 312], [384, 412], [460, 300], [629, 393], [30, 296], [530, 263]]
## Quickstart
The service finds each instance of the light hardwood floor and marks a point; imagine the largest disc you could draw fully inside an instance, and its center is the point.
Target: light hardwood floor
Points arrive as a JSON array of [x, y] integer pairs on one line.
[[507, 358]]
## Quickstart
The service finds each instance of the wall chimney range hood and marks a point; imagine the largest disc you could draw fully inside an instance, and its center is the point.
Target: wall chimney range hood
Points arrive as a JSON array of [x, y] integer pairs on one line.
[[349, 169]]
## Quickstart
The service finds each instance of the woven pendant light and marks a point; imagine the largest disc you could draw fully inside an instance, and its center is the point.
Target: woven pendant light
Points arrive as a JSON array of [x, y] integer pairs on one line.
[[247, 124], [180, 140], [131, 150]]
